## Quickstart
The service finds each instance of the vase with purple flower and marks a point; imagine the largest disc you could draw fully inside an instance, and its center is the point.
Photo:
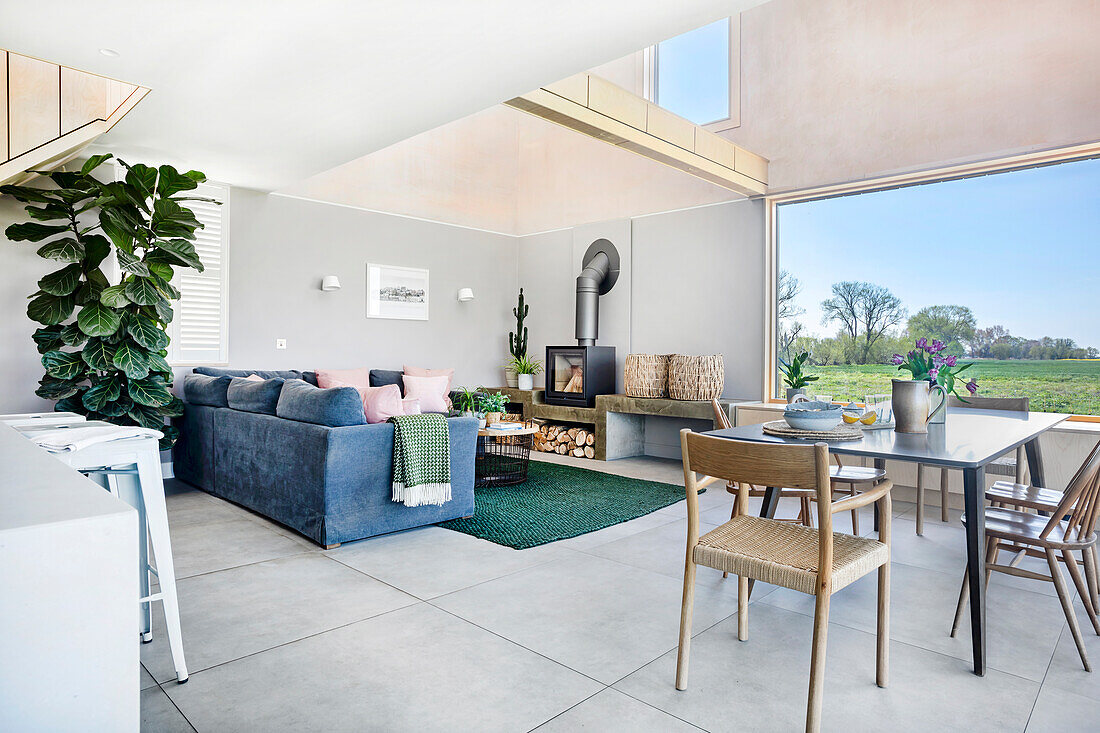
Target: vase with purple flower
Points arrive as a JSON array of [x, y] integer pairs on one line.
[[932, 372]]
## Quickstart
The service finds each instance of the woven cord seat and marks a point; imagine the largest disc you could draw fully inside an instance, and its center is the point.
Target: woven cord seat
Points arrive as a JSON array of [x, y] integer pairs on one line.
[[817, 562], [786, 554]]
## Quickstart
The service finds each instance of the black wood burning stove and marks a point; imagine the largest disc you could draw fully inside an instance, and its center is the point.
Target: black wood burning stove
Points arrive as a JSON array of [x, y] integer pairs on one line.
[[576, 374]]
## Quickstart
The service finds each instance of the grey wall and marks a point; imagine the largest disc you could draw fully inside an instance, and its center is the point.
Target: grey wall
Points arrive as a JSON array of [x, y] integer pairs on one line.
[[281, 248], [694, 285], [692, 282], [20, 269]]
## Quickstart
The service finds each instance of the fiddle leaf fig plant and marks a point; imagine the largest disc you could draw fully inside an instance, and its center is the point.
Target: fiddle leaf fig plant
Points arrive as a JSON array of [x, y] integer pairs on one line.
[[104, 343]]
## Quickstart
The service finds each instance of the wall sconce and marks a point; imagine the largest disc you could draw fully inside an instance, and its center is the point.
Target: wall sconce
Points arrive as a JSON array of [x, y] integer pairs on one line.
[[465, 294], [330, 282]]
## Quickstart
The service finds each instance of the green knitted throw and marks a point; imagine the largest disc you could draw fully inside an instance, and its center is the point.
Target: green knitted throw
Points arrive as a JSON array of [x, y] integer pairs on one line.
[[421, 459]]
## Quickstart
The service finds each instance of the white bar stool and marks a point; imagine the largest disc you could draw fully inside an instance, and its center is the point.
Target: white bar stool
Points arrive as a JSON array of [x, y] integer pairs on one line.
[[130, 469]]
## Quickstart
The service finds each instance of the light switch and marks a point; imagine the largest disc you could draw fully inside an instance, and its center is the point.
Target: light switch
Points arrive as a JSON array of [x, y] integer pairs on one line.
[[280, 343]]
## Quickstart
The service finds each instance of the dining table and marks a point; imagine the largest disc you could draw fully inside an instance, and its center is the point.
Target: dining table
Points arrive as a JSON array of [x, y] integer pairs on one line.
[[969, 439]]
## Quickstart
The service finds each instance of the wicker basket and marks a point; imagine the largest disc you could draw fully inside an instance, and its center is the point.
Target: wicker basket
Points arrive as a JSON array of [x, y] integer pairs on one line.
[[646, 375], [695, 377]]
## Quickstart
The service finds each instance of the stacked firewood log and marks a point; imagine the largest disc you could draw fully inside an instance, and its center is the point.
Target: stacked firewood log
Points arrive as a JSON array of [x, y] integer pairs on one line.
[[565, 441]]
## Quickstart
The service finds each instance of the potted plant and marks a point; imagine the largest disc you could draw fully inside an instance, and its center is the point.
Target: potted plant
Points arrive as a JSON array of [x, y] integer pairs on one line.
[[104, 340], [525, 370], [928, 367], [794, 375], [492, 405], [517, 343], [465, 401]]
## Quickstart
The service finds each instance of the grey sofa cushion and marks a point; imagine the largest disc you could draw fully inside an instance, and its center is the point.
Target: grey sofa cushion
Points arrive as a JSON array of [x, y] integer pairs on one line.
[[250, 395], [201, 389], [265, 373], [382, 377], [310, 377], [335, 407]]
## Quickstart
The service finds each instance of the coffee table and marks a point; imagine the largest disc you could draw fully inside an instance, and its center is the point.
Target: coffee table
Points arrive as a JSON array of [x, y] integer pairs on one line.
[[503, 455]]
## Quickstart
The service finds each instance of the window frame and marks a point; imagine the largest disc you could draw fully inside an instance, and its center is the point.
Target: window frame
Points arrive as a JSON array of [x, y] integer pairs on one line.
[[770, 382], [649, 78]]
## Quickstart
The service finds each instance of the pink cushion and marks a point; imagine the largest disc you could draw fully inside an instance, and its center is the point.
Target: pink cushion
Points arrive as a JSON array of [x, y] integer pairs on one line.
[[411, 405], [381, 403], [254, 378], [430, 391], [419, 372], [327, 378]]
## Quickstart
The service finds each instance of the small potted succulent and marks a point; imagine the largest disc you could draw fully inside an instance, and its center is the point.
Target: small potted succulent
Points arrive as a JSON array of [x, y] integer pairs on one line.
[[525, 369], [492, 405], [794, 375]]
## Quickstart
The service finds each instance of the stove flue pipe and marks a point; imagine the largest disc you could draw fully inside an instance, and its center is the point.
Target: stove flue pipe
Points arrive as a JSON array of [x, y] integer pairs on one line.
[[601, 270]]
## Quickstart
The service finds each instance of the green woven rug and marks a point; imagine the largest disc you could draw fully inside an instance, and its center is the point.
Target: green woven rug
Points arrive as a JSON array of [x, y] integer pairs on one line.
[[558, 502]]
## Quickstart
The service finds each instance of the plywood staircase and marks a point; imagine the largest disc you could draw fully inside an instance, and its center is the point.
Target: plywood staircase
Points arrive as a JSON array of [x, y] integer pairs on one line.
[[49, 112]]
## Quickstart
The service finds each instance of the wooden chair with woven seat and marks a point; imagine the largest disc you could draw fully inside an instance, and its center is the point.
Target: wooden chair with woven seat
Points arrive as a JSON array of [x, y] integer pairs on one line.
[[722, 420], [818, 561], [1007, 465], [1070, 528], [851, 478]]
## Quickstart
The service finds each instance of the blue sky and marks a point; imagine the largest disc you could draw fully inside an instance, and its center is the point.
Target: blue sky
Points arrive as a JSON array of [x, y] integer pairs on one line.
[[1020, 249], [693, 73]]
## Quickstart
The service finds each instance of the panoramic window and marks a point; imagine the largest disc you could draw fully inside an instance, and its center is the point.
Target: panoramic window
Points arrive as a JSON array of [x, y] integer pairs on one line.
[[1001, 269], [692, 73]]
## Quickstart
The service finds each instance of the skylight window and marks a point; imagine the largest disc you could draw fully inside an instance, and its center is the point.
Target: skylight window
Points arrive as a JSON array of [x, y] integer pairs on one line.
[[692, 74]]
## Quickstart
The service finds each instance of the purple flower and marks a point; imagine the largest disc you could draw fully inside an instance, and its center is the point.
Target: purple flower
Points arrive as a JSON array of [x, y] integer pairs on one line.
[[951, 361], [972, 386], [922, 343], [937, 346], [933, 373], [898, 359], [938, 361]]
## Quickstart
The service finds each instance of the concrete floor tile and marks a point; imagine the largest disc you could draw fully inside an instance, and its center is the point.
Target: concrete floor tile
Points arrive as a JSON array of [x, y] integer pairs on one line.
[[431, 561], [237, 612], [761, 684], [599, 617], [418, 668]]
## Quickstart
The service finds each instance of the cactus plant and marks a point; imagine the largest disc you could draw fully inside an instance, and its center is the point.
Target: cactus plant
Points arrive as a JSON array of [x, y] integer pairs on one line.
[[517, 340]]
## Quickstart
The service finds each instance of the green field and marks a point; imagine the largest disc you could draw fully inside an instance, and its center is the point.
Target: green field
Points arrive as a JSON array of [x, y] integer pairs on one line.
[[1069, 385]]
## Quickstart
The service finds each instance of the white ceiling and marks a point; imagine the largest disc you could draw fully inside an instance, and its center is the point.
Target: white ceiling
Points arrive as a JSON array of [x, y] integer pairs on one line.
[[264, 93], [506, 171]]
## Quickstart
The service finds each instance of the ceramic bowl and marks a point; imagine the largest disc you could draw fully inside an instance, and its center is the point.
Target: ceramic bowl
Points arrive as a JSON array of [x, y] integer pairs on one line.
[[813, 415]]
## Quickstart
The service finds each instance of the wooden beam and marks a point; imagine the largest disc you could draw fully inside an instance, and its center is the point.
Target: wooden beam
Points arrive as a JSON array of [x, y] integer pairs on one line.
[[597, 108]]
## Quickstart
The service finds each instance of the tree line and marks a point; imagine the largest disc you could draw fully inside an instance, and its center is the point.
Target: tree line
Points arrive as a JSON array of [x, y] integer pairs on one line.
[[873, 324]]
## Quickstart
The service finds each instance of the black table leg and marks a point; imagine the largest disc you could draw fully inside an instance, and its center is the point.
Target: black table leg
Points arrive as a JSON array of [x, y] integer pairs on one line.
[[771, 501], [880, 463], [974, 503], [1035, 463], [767, 509]]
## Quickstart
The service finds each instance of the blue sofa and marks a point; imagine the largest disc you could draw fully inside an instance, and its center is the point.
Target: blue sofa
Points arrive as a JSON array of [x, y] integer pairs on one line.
[[330, 482]]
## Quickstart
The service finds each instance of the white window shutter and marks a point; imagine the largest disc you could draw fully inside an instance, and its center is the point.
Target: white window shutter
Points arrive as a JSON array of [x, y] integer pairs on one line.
[[198, 331]]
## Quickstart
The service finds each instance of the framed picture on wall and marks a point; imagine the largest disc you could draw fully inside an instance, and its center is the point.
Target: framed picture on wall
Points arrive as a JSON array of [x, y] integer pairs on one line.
[[397, 292]]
